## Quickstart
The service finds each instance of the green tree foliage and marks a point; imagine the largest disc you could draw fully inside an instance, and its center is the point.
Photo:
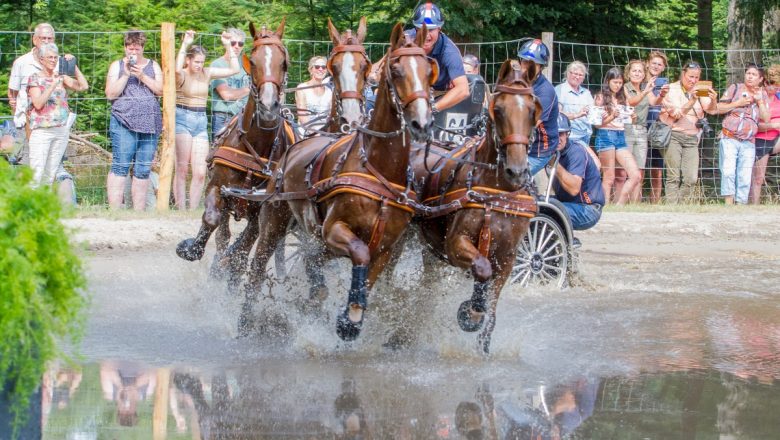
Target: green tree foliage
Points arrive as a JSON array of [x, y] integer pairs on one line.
[[41, 282]]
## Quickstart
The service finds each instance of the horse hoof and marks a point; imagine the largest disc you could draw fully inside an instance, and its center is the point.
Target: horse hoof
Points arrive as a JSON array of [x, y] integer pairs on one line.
[[318, 294], [186, 250], [347, 329], [464, 318]]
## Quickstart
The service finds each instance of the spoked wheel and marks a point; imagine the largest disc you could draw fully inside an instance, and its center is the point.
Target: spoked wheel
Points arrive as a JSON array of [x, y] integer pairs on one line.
[[289, 254], [543, 256]]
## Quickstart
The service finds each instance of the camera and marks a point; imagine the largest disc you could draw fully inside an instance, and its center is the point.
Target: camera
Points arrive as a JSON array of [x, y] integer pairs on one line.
[[67, 67], [704, 125]]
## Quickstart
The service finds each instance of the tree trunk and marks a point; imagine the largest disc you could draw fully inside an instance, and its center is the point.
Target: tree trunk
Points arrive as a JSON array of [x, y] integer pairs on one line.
[[772, 27], [704, 24], [745, 29]]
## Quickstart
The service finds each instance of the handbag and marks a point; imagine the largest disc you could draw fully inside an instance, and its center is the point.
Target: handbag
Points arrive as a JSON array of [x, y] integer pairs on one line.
[[659, 135]]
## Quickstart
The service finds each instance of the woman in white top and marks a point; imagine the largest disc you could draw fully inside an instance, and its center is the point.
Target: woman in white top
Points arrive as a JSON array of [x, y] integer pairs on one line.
[[314, 98]]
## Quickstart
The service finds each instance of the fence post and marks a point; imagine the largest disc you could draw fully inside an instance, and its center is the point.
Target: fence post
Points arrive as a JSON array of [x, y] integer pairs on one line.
[[547, 39], [160, 408], [167, 155]]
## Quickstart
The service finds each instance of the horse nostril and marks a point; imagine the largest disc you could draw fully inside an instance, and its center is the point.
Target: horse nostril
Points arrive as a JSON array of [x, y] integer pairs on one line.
[[416, 125]]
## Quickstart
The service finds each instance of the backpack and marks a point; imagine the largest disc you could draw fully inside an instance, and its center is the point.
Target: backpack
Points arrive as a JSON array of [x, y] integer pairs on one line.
[[742, 122]]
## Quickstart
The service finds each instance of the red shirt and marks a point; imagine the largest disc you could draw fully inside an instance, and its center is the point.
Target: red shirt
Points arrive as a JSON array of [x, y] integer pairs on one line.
[[774, 112]]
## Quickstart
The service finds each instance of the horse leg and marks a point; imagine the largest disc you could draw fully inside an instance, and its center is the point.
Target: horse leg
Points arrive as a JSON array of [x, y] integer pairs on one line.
[[192, 249], [271, 233], [462, 253], [343, 241], [312, 263], [221, 240], [235, 259], [501, 273]]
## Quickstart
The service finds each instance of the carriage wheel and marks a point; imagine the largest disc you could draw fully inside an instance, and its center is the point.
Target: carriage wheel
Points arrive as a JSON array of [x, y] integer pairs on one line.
[[288, 255], [543, 257]]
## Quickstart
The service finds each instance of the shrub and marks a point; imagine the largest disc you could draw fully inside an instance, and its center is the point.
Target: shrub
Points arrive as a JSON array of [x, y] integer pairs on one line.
[[41, 286]]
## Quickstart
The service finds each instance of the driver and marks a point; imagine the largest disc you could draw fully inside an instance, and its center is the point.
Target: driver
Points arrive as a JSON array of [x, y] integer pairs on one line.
[[577, 181], [452, 86]]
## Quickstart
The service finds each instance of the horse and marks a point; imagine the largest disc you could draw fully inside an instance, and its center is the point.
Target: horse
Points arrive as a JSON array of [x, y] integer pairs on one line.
[[353, 193], [248, 149], [481, 198]]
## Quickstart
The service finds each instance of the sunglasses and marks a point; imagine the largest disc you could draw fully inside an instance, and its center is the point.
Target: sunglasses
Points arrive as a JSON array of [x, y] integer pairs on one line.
[[237, 43], [693, 65], [319, 67]]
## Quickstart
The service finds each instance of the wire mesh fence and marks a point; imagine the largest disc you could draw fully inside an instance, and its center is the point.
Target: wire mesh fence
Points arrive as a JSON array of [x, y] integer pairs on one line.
[[88, 157]]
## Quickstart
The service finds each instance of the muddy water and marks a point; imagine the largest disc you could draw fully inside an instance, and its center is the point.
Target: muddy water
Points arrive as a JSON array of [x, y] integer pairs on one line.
[[674, 339]]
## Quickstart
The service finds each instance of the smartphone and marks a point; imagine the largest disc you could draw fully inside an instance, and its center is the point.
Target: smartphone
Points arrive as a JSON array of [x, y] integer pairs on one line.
[[67, 67], [659, 83], [702, 88], [132, 60]]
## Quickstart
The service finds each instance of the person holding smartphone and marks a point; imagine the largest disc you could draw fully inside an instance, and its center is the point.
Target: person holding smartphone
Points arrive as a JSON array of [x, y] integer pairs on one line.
[[768, 134], [132, 86], [745, 105], [656, 64], [47, 91]]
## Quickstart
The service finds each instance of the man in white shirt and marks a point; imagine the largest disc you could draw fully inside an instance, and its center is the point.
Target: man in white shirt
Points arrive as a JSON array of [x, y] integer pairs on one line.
[[22, 69]]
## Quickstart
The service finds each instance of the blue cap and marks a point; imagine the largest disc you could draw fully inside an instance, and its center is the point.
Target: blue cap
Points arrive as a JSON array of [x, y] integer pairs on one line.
[[428, 14], [564, 126], [534, 50]]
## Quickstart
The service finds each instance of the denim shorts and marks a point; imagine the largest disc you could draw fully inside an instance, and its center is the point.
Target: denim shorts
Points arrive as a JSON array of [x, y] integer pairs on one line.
[[607, 140], [190, 122], [764, 147], [131, 148]]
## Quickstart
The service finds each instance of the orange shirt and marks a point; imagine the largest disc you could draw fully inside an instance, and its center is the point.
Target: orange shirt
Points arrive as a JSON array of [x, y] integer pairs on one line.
[[675, 100]]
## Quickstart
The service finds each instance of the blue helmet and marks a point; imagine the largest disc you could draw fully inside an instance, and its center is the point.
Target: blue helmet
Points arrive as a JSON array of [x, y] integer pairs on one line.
[[428, 14], [564, 126], [534, 50]]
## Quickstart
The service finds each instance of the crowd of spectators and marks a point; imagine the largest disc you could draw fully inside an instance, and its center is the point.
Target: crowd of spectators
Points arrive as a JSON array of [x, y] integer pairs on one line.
[[610, 122]]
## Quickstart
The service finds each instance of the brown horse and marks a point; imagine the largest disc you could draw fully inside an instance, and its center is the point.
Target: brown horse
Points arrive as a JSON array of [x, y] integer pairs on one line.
[[353, 193], [249, 149], [482, 198]]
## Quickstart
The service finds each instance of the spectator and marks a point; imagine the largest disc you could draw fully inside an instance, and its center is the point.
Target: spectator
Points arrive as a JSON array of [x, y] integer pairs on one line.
[[10, 144], [132, 85], [192, 87], [314, 97], [228, 95], [768, 132], [575, 102], [683, 110], [656, 64], [22, 69], [470, 64], [744, 104], [610, 139], [577, 183], [47, 91], [639, 94], [533, 55]]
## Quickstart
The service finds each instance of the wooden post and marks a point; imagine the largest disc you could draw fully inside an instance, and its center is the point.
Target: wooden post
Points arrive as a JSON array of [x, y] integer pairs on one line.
[[547, 39], [168, 153], [160, 409]]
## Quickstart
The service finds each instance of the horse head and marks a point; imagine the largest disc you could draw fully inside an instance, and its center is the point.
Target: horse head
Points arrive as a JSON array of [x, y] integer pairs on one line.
[[514, 112], [268, 65], [409, 75], [349, 65]]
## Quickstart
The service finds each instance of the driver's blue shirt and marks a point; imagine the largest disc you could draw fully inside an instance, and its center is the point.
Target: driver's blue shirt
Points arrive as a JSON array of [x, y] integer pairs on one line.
[[577, 161], [448, 56], [546, 141]]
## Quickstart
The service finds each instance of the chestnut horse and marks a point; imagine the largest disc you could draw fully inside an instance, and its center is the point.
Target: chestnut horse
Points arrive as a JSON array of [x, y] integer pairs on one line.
[[482, 198], [249, 149], [353, 193]]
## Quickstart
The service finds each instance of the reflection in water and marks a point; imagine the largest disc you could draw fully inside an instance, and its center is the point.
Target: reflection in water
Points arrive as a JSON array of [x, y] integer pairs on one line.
[[327, 401]]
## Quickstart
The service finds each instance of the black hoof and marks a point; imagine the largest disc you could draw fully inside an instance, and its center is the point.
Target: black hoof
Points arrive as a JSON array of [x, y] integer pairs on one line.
[[186, 250], [347, 329], [464, 318]]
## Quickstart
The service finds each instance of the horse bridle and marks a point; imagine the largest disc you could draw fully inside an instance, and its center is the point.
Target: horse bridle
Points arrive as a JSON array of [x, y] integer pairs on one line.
[[254, 90], [517, 87], [355, 49]]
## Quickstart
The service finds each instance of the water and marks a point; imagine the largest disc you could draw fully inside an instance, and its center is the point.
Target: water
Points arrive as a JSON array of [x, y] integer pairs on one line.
[[678, 338]]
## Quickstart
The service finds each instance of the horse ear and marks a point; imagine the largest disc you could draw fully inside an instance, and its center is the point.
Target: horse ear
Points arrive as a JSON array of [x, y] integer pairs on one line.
[[252, 30], [422, 33], [334, 33], [361, 32], [397, 37], [506, 68], [280, 30]]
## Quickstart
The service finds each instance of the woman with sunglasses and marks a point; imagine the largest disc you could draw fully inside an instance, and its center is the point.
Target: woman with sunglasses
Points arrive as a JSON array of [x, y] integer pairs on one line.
[[192, 89], [228, 95], [767, 139], [49, 114], [683, 107], [313, 97]]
